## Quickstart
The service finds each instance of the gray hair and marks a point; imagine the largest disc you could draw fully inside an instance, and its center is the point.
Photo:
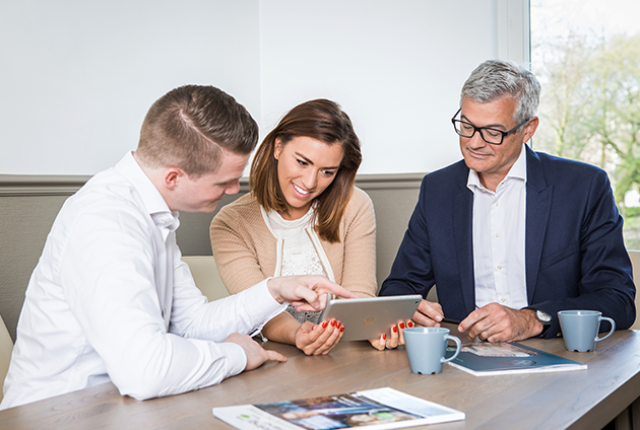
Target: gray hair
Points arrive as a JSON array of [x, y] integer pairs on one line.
[[494, 79]]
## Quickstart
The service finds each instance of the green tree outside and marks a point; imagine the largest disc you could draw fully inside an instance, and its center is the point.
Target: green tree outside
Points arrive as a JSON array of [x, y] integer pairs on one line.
[[590, 111]]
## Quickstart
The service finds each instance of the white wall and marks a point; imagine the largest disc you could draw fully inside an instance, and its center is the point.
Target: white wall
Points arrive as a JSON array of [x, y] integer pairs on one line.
[[395, 67], [78, 76]]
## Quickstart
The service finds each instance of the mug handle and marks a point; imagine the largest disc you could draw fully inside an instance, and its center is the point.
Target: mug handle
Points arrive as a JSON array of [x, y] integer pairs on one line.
[[458, 347], [613, 328]]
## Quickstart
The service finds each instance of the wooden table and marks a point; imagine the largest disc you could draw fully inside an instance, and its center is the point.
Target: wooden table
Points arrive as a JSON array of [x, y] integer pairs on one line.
[[584, 399]]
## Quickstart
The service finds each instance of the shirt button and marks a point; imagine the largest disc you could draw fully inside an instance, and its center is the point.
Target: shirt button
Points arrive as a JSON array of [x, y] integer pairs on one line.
[[497, 204], [497, 234], [503, 300], [499, 267]]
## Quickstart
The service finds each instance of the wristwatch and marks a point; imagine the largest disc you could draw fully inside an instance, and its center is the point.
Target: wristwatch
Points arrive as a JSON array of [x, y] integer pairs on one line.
[[543, 317]]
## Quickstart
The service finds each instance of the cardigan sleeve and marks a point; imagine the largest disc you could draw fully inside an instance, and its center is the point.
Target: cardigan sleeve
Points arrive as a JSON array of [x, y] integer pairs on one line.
[[359, 263], [235, 255]]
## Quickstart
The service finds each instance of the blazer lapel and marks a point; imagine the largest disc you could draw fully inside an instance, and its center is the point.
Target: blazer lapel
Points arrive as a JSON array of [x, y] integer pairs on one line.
[[462, 225], [537, 215]]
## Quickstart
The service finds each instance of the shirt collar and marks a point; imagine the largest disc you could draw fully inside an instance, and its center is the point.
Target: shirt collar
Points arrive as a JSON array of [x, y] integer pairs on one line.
[[517, 171], [162, 216]]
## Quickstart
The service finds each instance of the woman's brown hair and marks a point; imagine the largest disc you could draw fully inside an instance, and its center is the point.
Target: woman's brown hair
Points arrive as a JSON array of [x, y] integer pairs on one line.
[[322, 120]]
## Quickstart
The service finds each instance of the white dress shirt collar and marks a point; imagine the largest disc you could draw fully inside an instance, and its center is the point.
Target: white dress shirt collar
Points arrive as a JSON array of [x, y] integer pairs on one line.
[[517, 171], [162, 216]]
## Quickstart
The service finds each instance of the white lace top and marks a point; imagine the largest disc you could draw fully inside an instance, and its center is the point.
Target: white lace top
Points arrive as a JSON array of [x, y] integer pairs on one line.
[[299, 256]]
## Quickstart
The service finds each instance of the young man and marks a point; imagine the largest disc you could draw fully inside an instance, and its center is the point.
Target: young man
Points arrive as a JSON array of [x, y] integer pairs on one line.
[[110, 298], [510, 236]]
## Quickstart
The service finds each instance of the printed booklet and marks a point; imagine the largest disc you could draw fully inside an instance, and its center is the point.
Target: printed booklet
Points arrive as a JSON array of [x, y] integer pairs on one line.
[[503, 358], [382, 408]]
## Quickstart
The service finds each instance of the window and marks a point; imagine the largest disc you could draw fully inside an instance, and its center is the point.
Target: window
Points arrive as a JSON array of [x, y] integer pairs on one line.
[[586, 54]]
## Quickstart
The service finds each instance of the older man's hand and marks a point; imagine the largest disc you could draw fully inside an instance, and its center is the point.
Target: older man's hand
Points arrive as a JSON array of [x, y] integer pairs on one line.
[[497, 323]]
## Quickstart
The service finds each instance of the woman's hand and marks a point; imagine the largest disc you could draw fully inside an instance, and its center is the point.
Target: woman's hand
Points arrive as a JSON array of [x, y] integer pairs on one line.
[[394, 339], [318, 339]]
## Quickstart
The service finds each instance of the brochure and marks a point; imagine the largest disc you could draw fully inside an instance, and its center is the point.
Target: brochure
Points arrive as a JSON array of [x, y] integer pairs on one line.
[[503, 358], [382, 408]]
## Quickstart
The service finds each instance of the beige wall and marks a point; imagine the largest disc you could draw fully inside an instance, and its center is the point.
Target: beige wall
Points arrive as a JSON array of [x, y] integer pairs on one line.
[[29, 205]]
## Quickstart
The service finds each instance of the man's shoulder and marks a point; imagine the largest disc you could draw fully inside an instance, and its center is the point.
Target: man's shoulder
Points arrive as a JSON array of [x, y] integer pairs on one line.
[[562, 169], [556, 161], [453, 174], [101, 209], [105, 193]]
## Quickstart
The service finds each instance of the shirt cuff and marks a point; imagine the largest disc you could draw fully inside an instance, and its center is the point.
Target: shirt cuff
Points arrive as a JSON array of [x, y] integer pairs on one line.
[[236, 357], [261, 304]]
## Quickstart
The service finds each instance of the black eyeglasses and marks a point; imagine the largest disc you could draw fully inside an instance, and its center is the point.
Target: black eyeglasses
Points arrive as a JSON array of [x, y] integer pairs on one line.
[[492, 135]]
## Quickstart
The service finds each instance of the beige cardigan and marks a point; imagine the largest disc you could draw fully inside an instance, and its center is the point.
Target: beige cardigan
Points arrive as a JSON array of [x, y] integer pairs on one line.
[[245, 249]]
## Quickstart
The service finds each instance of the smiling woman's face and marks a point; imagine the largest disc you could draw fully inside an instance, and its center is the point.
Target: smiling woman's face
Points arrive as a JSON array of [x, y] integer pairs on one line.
[[306, 167]]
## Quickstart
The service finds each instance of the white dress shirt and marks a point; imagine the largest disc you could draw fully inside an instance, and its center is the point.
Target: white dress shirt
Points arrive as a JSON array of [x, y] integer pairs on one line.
[[110, 299], [499, 238]]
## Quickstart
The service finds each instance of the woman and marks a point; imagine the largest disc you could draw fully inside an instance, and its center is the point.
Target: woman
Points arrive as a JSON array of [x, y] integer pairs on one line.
[[303, 216]]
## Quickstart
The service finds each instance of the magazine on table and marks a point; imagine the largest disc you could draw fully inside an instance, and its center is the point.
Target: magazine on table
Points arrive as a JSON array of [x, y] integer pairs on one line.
[[382, 408], [503, 358]]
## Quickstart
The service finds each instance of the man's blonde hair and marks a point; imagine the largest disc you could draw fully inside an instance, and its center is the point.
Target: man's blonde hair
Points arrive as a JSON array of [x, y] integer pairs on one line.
[[190, 126]]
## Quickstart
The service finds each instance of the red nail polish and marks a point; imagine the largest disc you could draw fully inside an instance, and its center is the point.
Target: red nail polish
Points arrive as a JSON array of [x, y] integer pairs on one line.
[[395, 329], [410, 324], [333, 323], [341, 329], [313, 328], [338, 324], [384, 336], [401, 325]]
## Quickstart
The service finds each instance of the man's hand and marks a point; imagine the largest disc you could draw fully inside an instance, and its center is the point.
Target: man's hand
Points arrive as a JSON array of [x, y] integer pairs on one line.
[[497, 323], [256, 355], [306, 293], [428, 314], [319, 339]]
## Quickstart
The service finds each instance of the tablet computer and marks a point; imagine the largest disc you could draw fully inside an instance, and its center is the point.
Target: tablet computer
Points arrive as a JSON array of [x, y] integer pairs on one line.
[[368, 318]]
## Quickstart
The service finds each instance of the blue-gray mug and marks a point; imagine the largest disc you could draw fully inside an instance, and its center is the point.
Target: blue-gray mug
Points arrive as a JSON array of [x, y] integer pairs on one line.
[[580, 329], [426, 348]]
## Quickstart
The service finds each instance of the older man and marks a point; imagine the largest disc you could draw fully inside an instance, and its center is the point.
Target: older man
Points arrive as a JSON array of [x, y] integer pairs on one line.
[[110, 298], [510, 236]]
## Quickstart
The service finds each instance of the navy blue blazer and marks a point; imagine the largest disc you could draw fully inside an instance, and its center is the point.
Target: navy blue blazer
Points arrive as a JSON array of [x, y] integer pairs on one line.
[[575, 256]]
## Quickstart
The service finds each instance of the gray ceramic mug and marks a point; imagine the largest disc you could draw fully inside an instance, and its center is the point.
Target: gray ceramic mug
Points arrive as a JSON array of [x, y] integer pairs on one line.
[[580, 329], [426, 347]]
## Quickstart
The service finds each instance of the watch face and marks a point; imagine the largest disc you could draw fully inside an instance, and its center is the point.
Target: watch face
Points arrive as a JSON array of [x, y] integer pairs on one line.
[[543, 316]]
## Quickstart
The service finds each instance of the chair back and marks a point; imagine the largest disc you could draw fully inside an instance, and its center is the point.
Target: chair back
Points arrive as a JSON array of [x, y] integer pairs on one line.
[[205, 274], [6, 347]]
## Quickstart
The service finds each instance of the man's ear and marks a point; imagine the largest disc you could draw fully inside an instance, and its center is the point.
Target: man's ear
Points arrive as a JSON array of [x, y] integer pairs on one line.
[[172, 177], [530, 129]]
